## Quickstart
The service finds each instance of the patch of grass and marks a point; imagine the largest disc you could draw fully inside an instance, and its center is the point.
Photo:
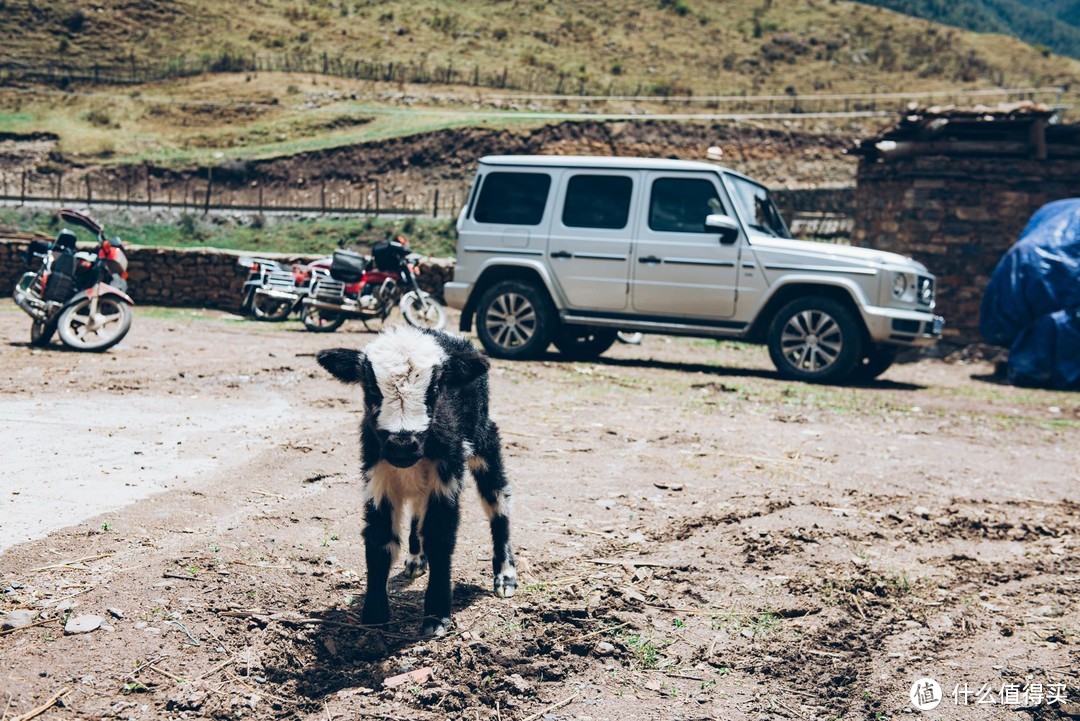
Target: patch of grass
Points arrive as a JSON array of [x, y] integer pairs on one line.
[[646, 651]]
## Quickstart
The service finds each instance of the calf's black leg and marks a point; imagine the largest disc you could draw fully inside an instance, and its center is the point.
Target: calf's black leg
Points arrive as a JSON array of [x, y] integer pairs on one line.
[[380, 546], [439, 534], [416, 563], [487, 468]]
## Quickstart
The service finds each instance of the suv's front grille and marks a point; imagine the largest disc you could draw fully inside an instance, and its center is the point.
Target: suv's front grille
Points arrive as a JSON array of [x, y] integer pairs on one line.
[[924, 291]]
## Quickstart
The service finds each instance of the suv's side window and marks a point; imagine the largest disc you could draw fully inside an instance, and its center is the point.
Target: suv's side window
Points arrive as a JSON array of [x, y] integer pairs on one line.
[[513, 198], [597, 201], [679, 205]]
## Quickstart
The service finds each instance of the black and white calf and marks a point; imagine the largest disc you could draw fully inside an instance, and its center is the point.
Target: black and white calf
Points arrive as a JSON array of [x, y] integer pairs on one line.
[[425, 421]]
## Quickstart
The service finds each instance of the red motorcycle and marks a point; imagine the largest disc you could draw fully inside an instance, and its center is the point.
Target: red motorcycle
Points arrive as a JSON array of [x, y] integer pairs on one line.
[[363, 288], [281, 291], [81, 294]]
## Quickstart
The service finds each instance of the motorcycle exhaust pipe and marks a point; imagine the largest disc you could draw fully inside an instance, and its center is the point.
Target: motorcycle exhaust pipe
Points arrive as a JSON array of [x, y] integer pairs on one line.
[[335, 307], [33, 307], [276, 294]]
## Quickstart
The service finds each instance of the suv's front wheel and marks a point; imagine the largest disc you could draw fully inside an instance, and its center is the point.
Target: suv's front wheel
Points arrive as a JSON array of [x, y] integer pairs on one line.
[[815, 339], [514, 320], [582, 342]]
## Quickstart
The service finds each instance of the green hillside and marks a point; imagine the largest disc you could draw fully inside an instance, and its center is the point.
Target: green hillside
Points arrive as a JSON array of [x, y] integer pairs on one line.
[[1051, 24], [596, 46]]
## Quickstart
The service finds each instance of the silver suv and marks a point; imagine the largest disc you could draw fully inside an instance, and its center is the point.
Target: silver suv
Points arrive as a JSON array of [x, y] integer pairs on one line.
[[570, 250]]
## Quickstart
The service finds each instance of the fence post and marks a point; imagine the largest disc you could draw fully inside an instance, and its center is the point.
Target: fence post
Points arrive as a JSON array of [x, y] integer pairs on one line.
[[22, 196], [149, 199], [260, 199], [89, 194], [376, 196], [322, 196], [60, 187], [209, 185], [435, 205]]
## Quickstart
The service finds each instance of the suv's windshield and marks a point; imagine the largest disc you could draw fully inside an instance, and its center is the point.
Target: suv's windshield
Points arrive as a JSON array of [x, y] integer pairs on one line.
[[758, 208]]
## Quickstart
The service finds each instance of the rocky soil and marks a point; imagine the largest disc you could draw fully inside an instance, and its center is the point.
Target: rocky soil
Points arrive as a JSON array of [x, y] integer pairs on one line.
[[697, 540]]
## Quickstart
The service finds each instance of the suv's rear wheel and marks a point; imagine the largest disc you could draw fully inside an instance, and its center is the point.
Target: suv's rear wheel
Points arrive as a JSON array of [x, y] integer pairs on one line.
[[514, 320], [582, 342], [815, 339]]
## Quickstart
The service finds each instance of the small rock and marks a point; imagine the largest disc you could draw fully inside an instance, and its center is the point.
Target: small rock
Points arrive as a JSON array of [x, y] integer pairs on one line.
[[83, 624], [519, 684], [418, 676], [17, 619], [604, 649], [115, 613], [921, 511]]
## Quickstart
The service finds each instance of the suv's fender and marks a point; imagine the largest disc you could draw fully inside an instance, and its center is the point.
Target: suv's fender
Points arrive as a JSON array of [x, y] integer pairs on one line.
[[790, 287], [493, 271]]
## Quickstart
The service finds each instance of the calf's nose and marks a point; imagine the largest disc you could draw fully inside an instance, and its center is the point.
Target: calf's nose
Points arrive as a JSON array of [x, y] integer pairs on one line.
[[403, 444]]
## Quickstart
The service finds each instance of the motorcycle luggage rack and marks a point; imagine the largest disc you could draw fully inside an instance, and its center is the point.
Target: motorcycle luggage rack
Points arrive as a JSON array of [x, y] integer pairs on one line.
[[280, 279], [327, 288]]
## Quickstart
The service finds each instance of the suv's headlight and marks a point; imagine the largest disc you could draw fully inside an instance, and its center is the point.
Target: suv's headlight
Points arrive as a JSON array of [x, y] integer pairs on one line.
[[899, 285], [903, 287]]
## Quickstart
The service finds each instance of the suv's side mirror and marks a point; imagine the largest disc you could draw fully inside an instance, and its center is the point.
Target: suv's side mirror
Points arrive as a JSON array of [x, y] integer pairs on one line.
[[725, 225]]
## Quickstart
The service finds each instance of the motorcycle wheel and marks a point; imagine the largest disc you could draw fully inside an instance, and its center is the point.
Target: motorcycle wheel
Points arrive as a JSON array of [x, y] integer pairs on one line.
[[245, 304], [267, 308], [41, 332], [320, 321], [81, 331], [423, 311]]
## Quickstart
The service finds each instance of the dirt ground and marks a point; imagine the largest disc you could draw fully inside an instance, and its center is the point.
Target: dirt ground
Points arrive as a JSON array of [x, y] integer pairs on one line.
[[697, 539]]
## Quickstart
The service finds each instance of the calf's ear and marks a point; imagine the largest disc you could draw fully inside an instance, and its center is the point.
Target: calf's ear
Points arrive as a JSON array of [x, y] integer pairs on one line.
[[464, 366], [344, 364]]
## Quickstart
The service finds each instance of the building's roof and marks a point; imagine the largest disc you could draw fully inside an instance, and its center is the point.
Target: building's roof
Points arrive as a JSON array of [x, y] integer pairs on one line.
[[1023, 128]]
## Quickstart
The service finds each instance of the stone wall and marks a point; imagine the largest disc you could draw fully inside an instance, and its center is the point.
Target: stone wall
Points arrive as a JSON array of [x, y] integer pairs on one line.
[[957, 215], [194, 277]]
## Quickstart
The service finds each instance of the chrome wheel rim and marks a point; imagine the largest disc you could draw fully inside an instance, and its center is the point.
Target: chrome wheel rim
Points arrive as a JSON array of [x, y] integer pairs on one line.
[[511, 320], [95, 328], [812, 341]]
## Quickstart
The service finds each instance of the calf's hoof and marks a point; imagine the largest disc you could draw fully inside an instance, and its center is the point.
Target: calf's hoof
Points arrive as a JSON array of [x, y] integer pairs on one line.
[[415, 566], [375, 613], [435, 627], [506, 583]]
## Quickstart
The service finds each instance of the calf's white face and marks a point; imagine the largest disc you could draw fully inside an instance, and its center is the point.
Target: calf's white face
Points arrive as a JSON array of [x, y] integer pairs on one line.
[[404, 362], [400, 372]]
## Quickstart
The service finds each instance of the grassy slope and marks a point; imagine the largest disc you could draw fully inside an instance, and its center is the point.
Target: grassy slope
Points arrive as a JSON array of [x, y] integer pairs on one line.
[[701, 45]]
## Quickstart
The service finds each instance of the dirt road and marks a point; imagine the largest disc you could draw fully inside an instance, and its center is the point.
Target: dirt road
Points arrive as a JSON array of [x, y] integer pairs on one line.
[[697, 539]]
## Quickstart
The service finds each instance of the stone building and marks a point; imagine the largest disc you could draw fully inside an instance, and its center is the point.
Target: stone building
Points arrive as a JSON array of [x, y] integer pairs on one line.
[[953, 188]]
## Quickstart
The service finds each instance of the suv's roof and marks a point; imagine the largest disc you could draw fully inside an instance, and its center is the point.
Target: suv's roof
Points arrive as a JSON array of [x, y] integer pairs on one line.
[[593, 161]]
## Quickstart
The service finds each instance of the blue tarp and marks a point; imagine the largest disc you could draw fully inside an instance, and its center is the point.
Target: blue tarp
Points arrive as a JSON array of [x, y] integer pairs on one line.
[[1032, 303]]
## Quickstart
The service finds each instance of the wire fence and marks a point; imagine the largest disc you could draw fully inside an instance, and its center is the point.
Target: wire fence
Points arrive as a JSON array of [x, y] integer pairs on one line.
[[538, 84], [813, 213], [139, 187]]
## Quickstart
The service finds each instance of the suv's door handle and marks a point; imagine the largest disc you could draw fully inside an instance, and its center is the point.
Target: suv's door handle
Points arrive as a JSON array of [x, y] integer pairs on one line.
[[649, 259], [561, 254]]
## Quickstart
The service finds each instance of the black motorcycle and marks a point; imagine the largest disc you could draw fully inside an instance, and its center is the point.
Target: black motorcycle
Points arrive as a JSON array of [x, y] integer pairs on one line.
[[82, 294]]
